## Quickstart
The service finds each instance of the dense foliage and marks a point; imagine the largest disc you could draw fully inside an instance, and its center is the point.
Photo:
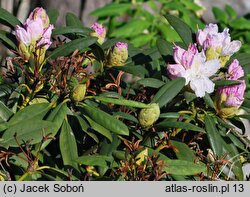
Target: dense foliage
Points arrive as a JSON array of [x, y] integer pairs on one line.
[[79, 103]]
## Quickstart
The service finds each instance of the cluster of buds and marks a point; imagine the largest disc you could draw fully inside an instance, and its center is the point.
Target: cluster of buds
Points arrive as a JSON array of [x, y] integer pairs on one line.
[[99, 31], [34, 37], [198, 66], [230, 98], [118, 55]]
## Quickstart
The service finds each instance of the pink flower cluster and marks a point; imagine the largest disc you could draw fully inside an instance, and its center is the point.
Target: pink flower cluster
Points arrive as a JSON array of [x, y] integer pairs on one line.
[[211, 38], [234, 95], [198, 66], [36, 33]]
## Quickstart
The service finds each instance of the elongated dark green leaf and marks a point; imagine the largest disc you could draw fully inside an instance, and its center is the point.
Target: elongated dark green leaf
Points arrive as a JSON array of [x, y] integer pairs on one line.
[[183, 152], [181, 28], [68, 48], [107, 149], [179, 167], [8, 19], [213, 134], [168, 91], [208, 100], [106, 120], [99, 128], [31, 112], [180, 125], [122, 102], [68, 146], [68, 30], [139, 70], [174, 115], [126, 116], [220, 15], [73, 20], [27, 130], [7, 38], [226, 82], [94, 160], [35, 111], [5, 112], [3, 126], [165, 48], [57, 117], [86, 128], [113, 9], [223, 147], [53, 15], [151, 82]]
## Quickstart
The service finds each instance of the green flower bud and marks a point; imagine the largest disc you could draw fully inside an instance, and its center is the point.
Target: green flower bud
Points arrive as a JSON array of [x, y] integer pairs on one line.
[[148, 116], [118, 55], [78, 93]]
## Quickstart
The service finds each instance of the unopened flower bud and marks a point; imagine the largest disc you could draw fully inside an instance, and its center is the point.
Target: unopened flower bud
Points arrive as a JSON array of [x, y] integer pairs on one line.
[[99, 32], [78, 93], [40, 13], [118, 55], [229, 99], [148, 116]]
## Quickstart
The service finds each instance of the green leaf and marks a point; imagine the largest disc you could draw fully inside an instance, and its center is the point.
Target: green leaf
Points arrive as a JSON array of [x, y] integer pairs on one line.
[[168, 91], [139, 70], [181, 28], [120, 101], [223, 147], [7, 18], [68, 146], [107, 150], [106, 120], [240, 24], [213, 134], [99, 128], [69, 30], [73, 20], [68, 48], [53, 15], [86, 128], [165, 48], [220, 15], [151, 82], [183, 152], [143, 39], [7, 38], [27, 130], [231, 12], [208, 100], [35, 111], [126, 116], [179, 167], [57, 117], [132, 28], [94, 160], [180, 125], [113, 9], [174, 115], [5, 112], [226, 82]]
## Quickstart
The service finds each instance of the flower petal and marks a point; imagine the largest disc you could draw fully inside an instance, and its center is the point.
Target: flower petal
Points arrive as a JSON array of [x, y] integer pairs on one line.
[[201, 85]]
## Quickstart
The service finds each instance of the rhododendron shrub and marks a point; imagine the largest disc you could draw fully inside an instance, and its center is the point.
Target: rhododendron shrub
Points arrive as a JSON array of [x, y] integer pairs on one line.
[[77, 105]]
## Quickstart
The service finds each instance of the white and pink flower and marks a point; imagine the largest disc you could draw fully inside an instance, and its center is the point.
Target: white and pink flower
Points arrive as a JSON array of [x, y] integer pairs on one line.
[[35, 34], [193, 66], [210, 37]]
